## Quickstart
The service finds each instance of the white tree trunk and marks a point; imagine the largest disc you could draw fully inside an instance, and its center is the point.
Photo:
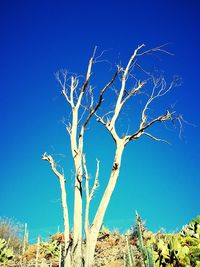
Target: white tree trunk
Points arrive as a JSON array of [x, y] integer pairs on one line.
[[66, 224], [61, 178], [93, 232], [77, 229]]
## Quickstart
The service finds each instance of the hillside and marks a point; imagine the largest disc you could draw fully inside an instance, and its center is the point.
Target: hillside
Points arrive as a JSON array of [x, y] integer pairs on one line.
[[139, 247]]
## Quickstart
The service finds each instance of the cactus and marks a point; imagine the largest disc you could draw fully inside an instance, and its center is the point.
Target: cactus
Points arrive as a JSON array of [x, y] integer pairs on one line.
[[130, 253], [169, 251], [150, 260], [140, 238], [147, 255], [6, 253], [51, 249], [193, 228]]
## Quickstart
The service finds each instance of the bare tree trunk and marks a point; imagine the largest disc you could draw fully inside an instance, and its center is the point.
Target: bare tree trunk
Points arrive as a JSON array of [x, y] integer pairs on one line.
[[67, 262], [89, 250], [77, 156], [61, 178], [93, 233], [77, 230]]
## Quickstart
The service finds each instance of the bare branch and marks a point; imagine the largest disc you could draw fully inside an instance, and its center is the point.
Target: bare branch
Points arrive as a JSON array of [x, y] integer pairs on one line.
[[107, 113], [99, 60], [156, 49], [119, 103], [91, 97], [87, 78], [155, 138], [52, 163], [86, 178], [158, 83], [133, 91], [137, 134], [181, 121], [143, 70], [107, 125], [93, 111], [63, 83], [100, 119], [69, 128], [73, 86], [135, 53], [96, 181], [98, 57]]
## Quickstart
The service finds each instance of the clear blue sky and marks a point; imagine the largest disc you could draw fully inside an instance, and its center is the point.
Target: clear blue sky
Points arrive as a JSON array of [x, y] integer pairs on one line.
[[40, 37]]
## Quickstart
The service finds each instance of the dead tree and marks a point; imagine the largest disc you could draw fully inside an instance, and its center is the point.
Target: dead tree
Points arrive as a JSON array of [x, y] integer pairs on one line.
[[81, 114]]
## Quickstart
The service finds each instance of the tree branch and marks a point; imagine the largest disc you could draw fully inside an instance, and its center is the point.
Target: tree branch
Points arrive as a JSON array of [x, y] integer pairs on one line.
[[73, 86], [119, 103], [133, 91], [86, 177], [101, 97], [52, 163], [107, 126], [63, 84], [155, 138], [87, 78], [137, 134], [156, 49], [96, 181], [61, 178]]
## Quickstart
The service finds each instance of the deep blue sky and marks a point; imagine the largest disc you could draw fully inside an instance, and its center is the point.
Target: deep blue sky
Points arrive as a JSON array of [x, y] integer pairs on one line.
[[40, 37]]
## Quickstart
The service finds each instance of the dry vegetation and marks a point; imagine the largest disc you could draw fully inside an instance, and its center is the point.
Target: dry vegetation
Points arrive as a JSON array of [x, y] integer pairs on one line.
[[138, 247]]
